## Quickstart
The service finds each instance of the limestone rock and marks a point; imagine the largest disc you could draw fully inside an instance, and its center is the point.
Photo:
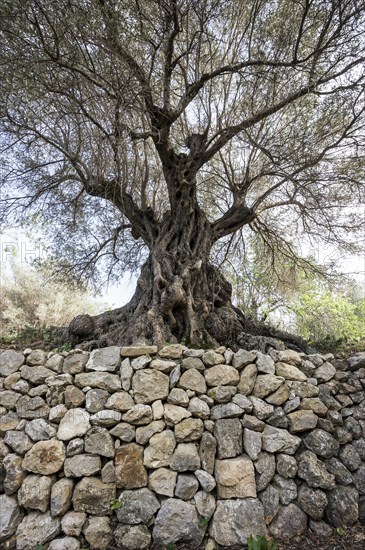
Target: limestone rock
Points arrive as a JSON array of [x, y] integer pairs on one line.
[[104, 359], [40, 430], [222, 375], [18, 441], [149, 385], [222, 394], [265, 363], [82, 465], [75, 423], [228, 434], [185, 458], [280, 396], [100, 380], [302, 421], [98, 441], [36, 357], [261, 409], [135, 351], [160, 450], [73, 522], [29, 408], [172, 351], [35, 375], [137, 506], [61, 495], [14, 474], [138, 415], [199, 408], [177, 522], [64, 543], [235, 520], [276, 440], [38, 528], [242, 358], [325, 372], [289, 356], [192, 363], [10, 517], [45, 457], [271, 502], [106, 418], [98, 532], [93, 496], [74, 397], [130, 472], [162, 482], [179, 397], [144, 433], [190, 429], [226, 410], [124, 431], [286, 466], [235, 478], [126, 373], [207, 451], [206, 480], [252, 443], [287, 489], [163, 365], [132, 537], [289, 372], [350, 457], [265, 468], [193, 380], [247, 379], [266, 384], [10, 362], [8, 399], [173, 414], [75, 363], [75, 447], [35, 492], [289, 523], [211, 358]]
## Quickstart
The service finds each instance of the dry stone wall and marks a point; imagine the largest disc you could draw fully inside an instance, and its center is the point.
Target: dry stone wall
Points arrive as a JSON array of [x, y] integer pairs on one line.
[[136, 448]]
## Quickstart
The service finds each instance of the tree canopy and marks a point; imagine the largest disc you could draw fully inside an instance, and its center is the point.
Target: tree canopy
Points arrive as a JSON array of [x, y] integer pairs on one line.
[[163, 130]]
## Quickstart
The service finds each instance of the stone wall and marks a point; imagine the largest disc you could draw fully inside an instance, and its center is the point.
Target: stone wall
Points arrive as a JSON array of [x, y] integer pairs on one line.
[[135, 449]]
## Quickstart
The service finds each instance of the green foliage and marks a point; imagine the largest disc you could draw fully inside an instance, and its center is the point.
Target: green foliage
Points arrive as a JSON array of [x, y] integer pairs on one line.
[[65, 347], [340, 531], [260, 543], [169, 546], [116, 505], [39, 547], [203, 522]]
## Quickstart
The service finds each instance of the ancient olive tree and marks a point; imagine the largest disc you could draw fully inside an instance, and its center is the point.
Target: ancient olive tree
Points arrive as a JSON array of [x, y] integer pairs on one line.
[[165, 129]]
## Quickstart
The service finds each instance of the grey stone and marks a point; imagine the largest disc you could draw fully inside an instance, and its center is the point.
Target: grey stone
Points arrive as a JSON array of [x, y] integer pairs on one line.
[[266, 384], [286, 466], [130, 472], [287, 489], [341, 473], [280, 396], [135, 351], [314, 472], [199, 408], [177, 522], [160, 450], [172, 351], [106, 418], [36, 357], [304, 389], [35, 492], [10, 517], [205, 504], [186, 486], [137, 506], [359, 479], [222, 394], [61, 495], [97, 532], [235, 520], [8, 399], [132, 537], [247, 379], [74, 397], [235, 478], [74, 364], [302, 421], [144, 433], [207, 451], [228, 434], [343, 507], [261, 409], [289, 372], [271, 502], [35, 375], [185, 458], [108, 472], [76, 422], [73, 522], [45, 457], [124, 431], [192, 379], [322, 443], [138, 415], [190, 429], [320, 528], [206, 480], [140, 362], [265, 363], [10, 362], [314, 404], [37, 527], [277, 440], [312, 501], [104, 359], [82, 465], [290, 356], [192, 363], [265, 468], [253, 423], [40, 430], [178, 396], [64, 543], [18, 441], [174, 376], [29, 408], [75, 447], [162, 482], [126, 373], [289, 523], [242, 358], [252, 443], [99, 380], [98, 441], [173, 414], [226, 410], [325, 372], [163, 365], [350, 457], [211, 358], [149, 385], [14, 474], [93, 496]]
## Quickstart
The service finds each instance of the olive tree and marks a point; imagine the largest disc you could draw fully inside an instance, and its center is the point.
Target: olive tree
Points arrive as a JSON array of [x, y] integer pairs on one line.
[[165, 131]]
